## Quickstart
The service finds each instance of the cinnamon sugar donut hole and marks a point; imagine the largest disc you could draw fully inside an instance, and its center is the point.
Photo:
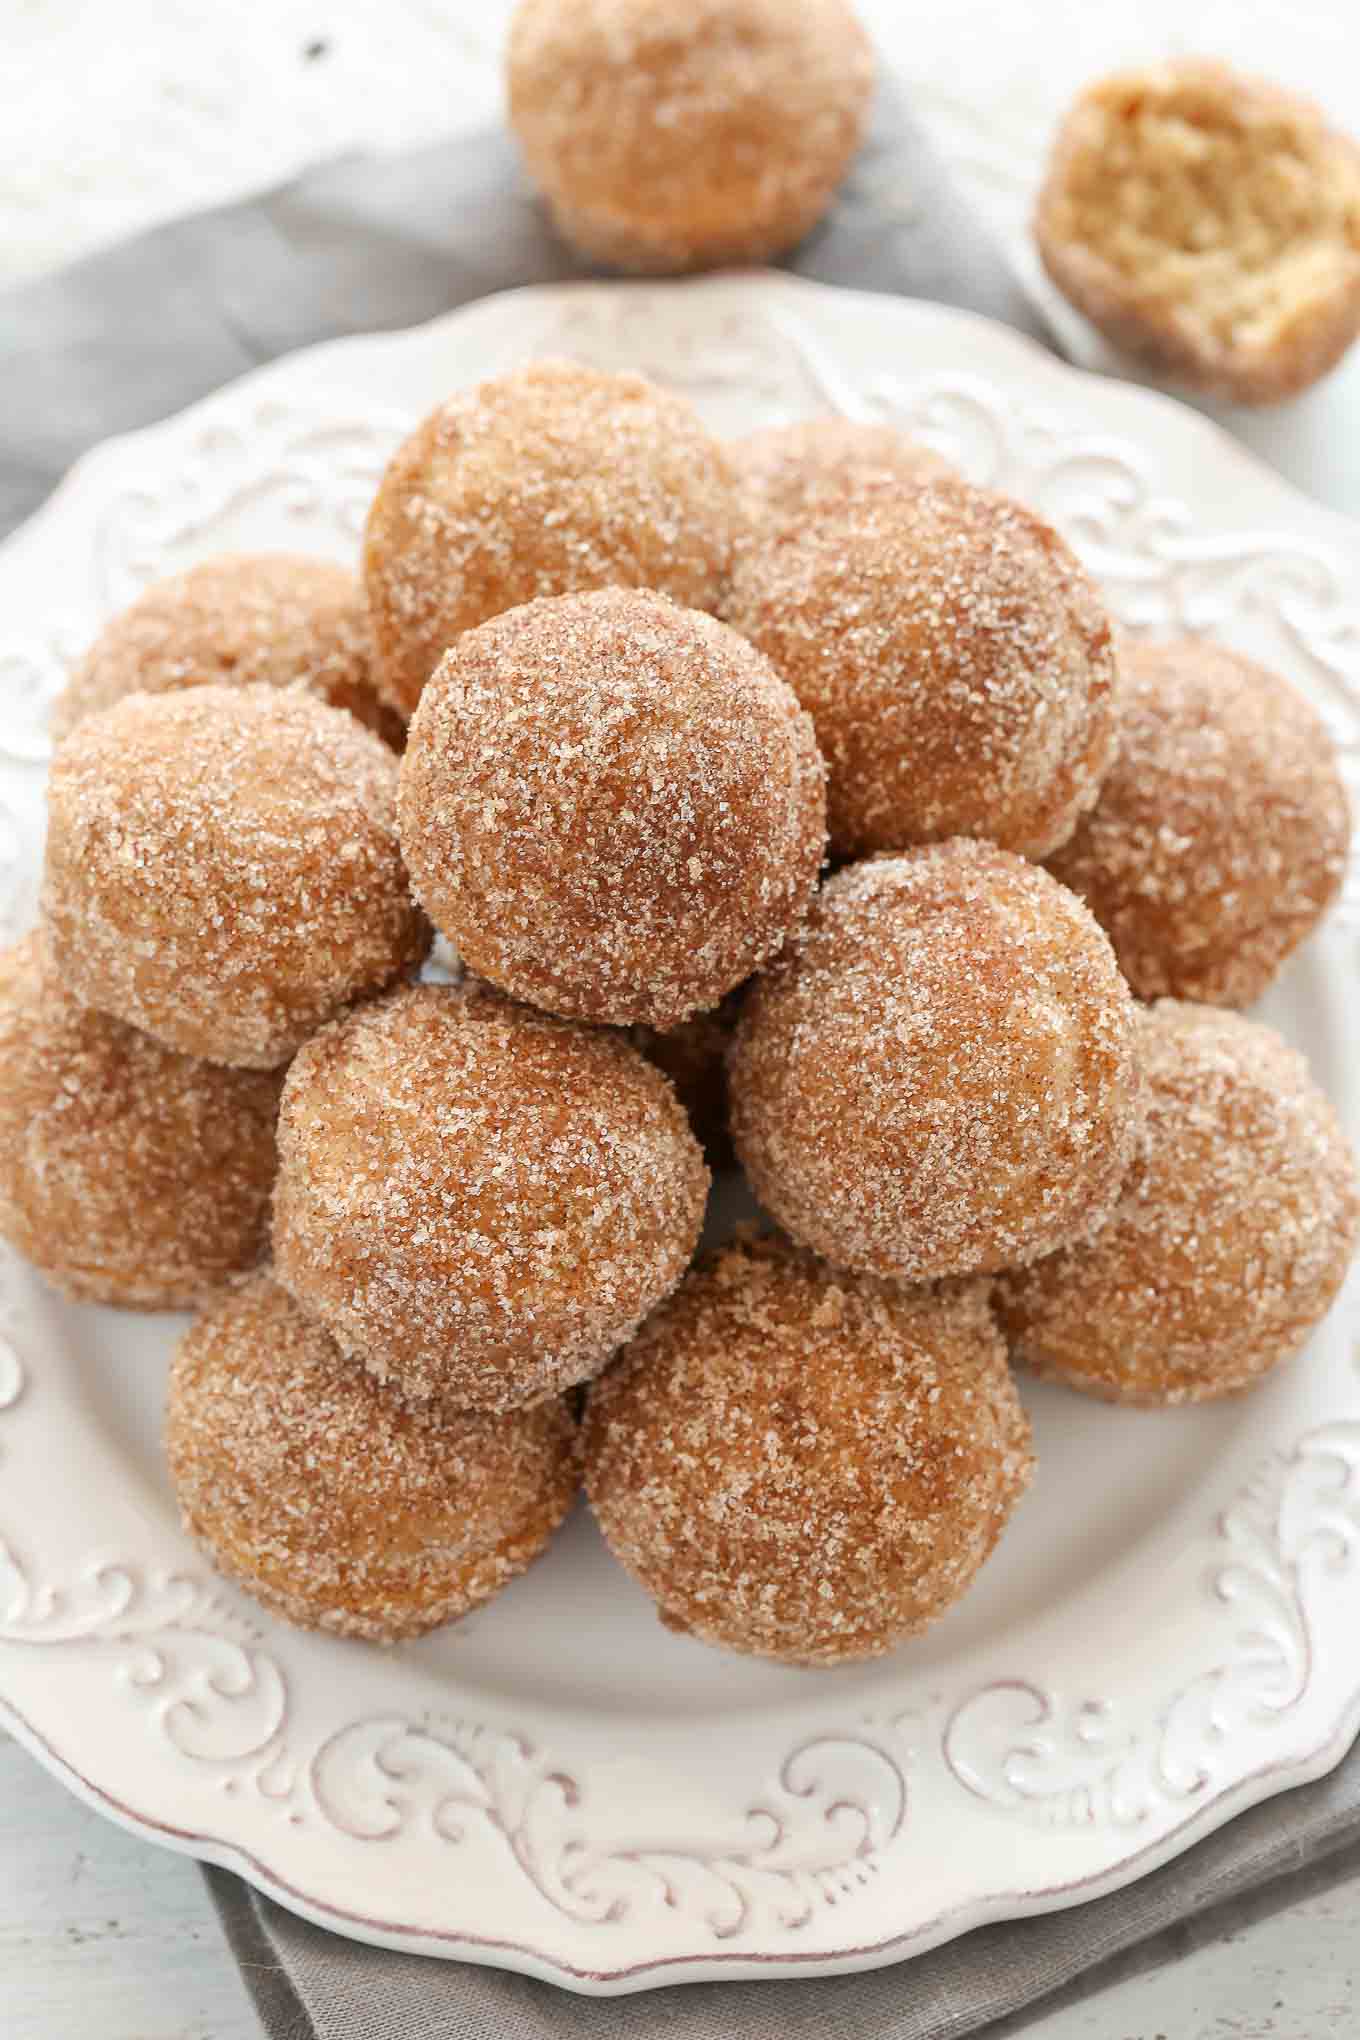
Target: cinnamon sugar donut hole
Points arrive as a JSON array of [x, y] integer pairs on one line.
[[954, 657], [1232, 1233], [939, 1076], [223, 871], [130, 1175], [333, 1503], [1220, 836], [612, 807], [684, 134], [479, 1201], [1210, 223], [797, 474], [244, 619], [549, 480], [805, 1465]]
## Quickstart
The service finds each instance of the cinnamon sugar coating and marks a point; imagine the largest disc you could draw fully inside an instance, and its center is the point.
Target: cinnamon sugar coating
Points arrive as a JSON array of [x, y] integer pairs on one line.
[[1232, 1233], [222, 868], [794, 474], [242, 619], [806, 1465], [130, 1175], [479, 1201], [939, 1075], [612, 807], [954, 657], [549, 480], [1220, 835], [333, 1503], [684, 134]]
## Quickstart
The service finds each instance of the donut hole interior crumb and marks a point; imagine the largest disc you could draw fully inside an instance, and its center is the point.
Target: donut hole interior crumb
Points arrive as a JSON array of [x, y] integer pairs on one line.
[[1241, 217]]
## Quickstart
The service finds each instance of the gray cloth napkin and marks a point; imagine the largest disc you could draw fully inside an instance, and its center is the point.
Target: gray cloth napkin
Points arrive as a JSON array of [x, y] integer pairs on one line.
[[139, 331]]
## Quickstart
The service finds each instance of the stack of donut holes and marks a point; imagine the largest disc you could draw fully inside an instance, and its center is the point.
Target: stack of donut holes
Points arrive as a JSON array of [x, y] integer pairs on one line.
[[789, 799]]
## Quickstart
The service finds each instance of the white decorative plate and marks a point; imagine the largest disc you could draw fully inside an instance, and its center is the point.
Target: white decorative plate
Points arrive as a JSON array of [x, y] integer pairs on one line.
[[559, 1785]]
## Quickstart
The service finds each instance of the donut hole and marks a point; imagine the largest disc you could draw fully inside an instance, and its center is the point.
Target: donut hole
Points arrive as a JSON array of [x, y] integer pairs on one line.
[[477, 1200], [336, 1505], [1232, 1233], [1220, 835], [679, 134], [1226, 208], [804, 1464]]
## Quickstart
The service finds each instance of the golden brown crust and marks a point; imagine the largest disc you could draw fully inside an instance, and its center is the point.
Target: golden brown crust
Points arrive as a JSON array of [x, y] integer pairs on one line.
[[548, 481], [480, 1201], [1231, 1236], [818, 466], [242, 619], [1221, 833], [806, 1465], [938, 1077], [955, 659], [613, 807], [130, 1175], [222, 868], [1210, 223], [334, 1504], [686, 134]]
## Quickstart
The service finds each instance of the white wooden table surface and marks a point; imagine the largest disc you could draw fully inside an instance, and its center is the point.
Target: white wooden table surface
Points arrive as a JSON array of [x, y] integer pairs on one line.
[[117, 115]]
